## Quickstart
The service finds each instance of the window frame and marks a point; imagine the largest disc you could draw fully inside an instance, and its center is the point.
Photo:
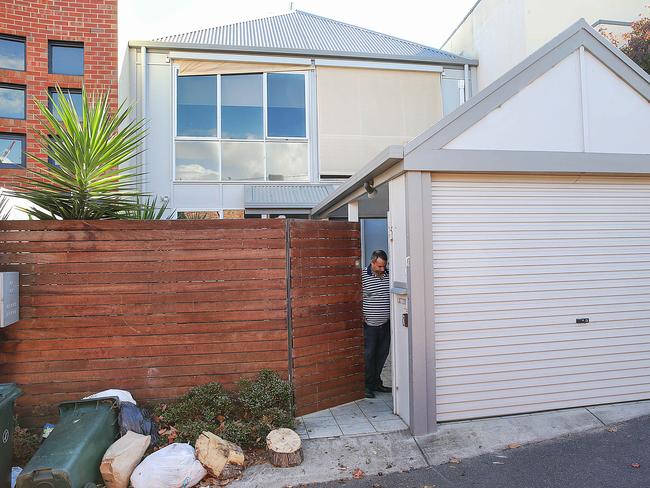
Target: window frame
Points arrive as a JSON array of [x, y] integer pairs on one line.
[[23, 156], [71, 44], [265, 140], [22, 88], [23, 40]]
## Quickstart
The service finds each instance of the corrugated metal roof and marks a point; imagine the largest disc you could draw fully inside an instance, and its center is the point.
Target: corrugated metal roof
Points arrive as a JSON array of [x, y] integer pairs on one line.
[[302, 31], [285, 196]]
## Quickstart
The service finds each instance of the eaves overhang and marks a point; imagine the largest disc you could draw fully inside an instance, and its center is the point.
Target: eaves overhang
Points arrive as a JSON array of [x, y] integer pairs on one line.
[[379, 164], [252, 50]]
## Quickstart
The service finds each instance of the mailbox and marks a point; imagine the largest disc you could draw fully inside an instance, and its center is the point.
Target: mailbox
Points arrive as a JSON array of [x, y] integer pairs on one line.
[[9, 298]]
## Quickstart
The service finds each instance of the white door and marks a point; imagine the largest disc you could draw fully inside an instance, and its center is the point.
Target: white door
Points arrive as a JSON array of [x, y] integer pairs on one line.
[[399, 299], [541, 292]]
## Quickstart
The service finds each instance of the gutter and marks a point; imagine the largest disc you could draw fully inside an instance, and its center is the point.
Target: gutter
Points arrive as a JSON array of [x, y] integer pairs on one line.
[[442, 60]]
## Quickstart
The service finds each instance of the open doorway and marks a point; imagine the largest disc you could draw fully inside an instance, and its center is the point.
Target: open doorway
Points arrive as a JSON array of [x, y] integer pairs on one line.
[[376, 234]]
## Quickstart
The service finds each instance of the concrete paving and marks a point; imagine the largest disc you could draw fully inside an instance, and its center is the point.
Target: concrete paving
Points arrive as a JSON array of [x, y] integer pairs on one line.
[[367, 416], [336, 458]]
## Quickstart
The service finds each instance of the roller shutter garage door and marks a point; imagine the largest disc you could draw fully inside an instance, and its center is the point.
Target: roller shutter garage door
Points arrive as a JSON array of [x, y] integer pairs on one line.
[[518, 262]]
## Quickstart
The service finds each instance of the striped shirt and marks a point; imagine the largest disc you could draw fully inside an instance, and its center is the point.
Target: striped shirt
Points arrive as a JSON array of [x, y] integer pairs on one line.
[[376, 297]]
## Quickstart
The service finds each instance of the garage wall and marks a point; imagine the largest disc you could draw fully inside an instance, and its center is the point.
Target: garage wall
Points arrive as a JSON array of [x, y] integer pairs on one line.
[[517, 259]]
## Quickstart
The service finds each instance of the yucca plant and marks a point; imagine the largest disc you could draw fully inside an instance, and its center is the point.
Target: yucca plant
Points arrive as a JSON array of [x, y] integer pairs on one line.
[[147, 209], [91, 176]]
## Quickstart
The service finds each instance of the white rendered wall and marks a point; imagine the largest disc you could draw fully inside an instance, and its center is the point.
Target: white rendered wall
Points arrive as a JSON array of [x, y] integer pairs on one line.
[[545, 116], [554, 114], [619, 118], [160, 124]]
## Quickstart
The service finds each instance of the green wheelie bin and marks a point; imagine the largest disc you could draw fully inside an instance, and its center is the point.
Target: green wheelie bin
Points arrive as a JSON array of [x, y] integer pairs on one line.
[[8, 394], [71, 454]]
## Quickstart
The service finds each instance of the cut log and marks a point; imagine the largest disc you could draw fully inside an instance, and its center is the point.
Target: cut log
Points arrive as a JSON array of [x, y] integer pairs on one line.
[[284, 448], [223, 459]]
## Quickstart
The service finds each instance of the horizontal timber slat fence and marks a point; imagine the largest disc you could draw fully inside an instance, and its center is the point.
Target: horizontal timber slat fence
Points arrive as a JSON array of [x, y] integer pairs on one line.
[[157, 307]]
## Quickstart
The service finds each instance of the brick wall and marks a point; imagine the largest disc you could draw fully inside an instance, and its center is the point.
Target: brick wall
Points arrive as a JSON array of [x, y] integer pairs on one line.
[[93, 22]]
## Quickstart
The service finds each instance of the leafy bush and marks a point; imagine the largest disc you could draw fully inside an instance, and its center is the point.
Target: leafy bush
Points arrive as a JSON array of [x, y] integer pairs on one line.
[[266, 391], [244, 416]]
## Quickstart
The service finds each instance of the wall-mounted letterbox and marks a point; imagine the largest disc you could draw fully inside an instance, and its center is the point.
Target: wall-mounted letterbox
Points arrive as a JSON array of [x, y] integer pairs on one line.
[[9, 306]]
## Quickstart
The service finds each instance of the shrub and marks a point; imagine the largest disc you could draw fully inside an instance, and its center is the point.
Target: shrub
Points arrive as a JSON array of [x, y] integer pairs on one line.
[[266, 391], [244, 416]]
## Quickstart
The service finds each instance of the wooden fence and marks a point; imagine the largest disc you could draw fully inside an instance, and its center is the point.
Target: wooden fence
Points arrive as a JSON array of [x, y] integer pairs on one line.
[[326, 314], [157, 307]]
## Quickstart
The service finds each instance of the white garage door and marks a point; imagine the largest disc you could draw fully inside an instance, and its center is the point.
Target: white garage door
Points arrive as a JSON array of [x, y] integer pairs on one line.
[[520, 264]]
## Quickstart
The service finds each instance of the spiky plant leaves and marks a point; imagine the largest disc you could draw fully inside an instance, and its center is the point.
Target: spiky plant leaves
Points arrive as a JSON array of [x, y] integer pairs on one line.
[[92, 177]]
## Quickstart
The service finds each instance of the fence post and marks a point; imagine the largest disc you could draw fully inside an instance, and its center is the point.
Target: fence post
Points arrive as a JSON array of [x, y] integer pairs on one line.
[[287, 245]]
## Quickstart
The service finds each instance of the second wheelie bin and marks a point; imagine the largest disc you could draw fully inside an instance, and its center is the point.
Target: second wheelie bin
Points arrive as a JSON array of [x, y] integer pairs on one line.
[[8, 394], [71, 455]]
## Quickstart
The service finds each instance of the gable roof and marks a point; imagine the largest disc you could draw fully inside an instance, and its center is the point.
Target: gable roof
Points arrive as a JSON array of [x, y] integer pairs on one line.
[[299, 32], [427, 148], [580, 34]]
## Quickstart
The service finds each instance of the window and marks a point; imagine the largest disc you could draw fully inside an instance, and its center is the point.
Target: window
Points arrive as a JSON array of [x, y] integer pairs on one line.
[[12, 150], [12, 101], [286, 112], [73, 96], [244, 127], [242, 114], [66, 58], [12, 53], [197, 106], [197, 160]]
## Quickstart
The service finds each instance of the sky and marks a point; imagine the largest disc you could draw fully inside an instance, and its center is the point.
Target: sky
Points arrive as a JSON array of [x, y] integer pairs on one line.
[[426, 22]]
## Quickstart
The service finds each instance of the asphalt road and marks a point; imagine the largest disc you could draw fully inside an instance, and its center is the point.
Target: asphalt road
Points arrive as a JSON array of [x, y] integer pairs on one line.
[[596, 459]]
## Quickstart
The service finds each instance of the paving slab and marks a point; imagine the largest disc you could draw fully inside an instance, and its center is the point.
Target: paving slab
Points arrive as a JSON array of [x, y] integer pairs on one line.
[[468, 439], [620, 412], [334, 459]]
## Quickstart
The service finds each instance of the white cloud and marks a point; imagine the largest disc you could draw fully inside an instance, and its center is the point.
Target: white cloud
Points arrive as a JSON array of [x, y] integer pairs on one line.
[[12, 103], [192, 172], [10, 62]]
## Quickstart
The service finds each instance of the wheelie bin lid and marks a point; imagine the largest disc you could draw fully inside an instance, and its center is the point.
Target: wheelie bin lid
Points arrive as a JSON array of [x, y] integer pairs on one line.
[[9, 392]]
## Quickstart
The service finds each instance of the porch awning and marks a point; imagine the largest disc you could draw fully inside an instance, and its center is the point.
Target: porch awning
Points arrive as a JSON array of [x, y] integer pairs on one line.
[[279, 197]]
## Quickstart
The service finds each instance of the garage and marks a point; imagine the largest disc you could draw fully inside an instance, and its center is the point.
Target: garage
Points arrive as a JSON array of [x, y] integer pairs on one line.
[[519, 241], [541, 289]]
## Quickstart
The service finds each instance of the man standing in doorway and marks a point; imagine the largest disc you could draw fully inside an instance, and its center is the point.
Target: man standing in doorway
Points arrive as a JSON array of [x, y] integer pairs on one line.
[[376, 320]]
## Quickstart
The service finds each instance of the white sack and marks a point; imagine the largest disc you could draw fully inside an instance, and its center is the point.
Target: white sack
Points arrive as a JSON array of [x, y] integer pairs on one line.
[[123, 395], [174, 466]]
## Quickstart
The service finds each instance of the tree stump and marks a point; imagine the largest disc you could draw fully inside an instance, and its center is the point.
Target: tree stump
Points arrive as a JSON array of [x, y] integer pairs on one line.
[[284, 448]]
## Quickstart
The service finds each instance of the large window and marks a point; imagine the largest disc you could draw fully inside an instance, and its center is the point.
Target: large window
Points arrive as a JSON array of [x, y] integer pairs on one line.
[[12, 53], [66, 58], [244, 127], [12, 150], [12, 101]]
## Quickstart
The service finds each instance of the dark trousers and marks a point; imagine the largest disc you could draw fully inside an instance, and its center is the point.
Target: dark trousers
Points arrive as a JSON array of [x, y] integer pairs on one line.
[[377, 346]]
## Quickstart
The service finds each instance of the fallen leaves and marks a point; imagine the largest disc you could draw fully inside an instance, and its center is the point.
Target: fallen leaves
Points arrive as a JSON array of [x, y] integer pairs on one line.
[[612, 429], [454, 460], [358, 474], [514, 445], [170, 433], [635, 465]]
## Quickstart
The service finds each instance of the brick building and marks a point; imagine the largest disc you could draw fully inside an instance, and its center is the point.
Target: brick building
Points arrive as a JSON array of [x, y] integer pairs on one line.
[[44, 44]]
